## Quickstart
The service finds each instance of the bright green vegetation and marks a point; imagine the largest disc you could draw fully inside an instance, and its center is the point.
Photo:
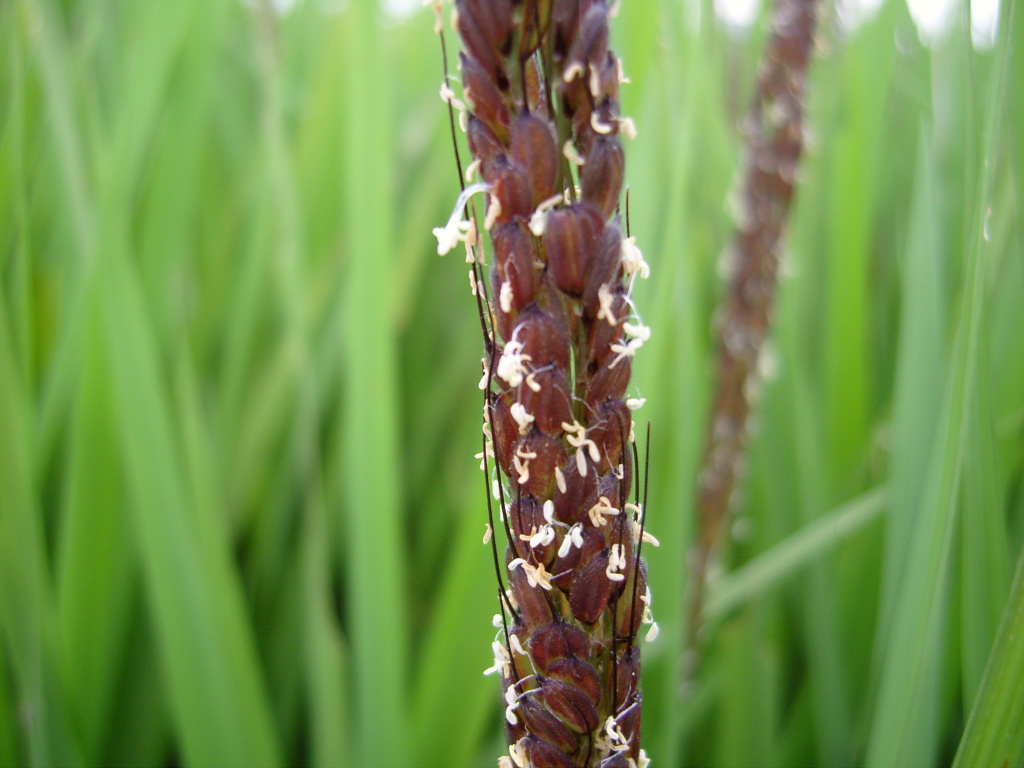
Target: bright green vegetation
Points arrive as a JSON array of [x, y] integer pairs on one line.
[[240, 517]]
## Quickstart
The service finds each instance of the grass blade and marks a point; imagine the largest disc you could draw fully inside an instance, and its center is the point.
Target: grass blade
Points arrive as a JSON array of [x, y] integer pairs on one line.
[[993, 735]]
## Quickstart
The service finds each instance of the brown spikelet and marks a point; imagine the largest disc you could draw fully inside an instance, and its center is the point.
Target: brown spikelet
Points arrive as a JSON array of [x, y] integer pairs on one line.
[[541, 89], [773, 133]]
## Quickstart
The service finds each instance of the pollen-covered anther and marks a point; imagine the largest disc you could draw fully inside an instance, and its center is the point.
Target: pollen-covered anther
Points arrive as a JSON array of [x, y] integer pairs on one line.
[[493, 212], [448, 97], [594, 81], [598, 511], [456, 230], [618, 742], [518, 755], [539, 218], [633, 259], [640, 333], [627, 127], [438, 14], [522, 418], [484, 454], [605, 297], [511, 364], [573, 538], [488, 533], [482, 385], [573, 71], [472, 169], [570, 153], [513, 704], [505, 297], [620, 73], [536, 575], [522, 469], [501, 660], [576, 435], [599, 125], [548, 510], [560, 480], [647, 537], [532, 383], [544, 536], [616, 562]]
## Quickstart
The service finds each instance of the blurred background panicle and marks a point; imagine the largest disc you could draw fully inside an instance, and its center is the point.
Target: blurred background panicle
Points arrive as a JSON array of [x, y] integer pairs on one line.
[[240, 516]]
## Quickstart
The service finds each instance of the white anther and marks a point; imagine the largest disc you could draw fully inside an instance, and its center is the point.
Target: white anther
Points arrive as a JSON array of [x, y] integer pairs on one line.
[[513, 640], [633, 260], [616, 562], [472, 169], [598, 125], [456, 230], [548, 510], [539, 219], [483, 381], [652, 633], [638, 331], [518, 755], [488, 532], [522, 418], [511, 364], [599, 510], [438, 19], [572, 71], [532, 383], [570, 153], [522, 469], [505, 297], [501, 660], [536, 575], [560, 480], [493, 212], [628, 127], [620, 72], [573, 538], [635, 403], [605, 297], [448, 97]]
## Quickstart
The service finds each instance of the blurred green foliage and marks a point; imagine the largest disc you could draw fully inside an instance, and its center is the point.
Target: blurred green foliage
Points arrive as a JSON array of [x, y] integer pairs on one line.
[[240, 517]]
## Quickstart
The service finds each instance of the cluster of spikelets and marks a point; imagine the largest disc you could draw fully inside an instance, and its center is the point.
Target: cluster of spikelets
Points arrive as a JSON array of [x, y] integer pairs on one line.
[[540, 107]]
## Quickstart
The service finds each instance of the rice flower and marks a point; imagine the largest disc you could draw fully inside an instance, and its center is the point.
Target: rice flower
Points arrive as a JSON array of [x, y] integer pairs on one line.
[[540, 109]]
